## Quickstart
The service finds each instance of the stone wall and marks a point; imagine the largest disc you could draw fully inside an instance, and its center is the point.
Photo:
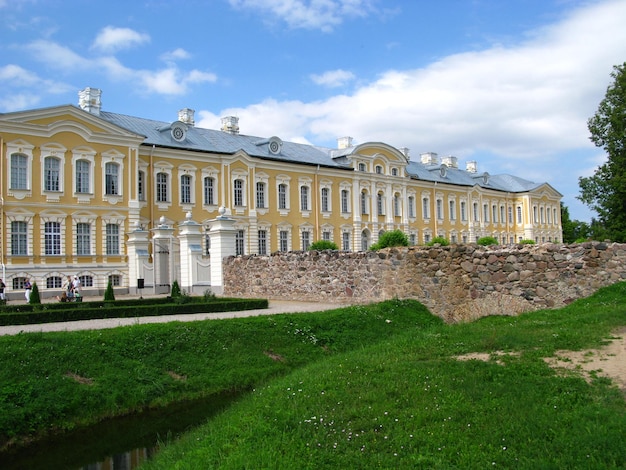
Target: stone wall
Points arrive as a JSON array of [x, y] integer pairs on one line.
[[458, 282]]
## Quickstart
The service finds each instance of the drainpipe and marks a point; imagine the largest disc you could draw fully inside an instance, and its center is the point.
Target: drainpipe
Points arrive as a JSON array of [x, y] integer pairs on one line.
[[2, 231], [318, 205], [150, 178]]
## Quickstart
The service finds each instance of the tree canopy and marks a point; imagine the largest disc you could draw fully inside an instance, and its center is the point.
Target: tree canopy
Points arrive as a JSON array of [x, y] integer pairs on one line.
[[605, 190]]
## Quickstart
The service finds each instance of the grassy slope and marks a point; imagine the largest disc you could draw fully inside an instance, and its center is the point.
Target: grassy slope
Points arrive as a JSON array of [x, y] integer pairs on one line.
[[58, 380], [405, 402]]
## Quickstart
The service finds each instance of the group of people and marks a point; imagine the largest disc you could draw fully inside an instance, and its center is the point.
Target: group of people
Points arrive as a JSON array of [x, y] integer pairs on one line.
[[71, 290]]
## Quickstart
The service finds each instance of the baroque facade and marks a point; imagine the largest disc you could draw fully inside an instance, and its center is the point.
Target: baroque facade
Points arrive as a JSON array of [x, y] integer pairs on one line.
[[110, 197]]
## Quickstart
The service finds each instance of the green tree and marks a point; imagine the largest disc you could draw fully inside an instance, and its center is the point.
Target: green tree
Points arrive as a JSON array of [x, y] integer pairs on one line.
[[573, 230], [34, 298], [605, 190], [175, 290], [487, 241], [391, 238], [109, 294]]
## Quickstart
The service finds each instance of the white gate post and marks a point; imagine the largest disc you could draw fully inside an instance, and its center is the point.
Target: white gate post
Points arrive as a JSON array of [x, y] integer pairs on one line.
[[222, 236], [137, 250], [190, 238]]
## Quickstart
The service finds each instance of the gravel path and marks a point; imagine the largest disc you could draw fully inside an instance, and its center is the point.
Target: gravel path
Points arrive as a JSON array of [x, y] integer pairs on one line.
[[275, 306]]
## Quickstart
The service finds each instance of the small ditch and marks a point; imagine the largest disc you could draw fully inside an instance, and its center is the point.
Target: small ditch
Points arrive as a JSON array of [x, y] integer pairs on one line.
[[122, 443]]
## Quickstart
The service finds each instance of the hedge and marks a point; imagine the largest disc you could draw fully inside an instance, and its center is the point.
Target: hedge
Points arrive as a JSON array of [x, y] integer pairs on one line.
[[48, 313]]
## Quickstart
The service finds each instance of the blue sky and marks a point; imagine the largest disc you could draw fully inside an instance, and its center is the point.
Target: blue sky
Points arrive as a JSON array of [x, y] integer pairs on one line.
[[509, 84]]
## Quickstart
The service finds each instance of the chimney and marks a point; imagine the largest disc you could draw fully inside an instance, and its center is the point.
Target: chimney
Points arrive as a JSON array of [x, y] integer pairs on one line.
[[89, 100], [405, 151], [450, 161], [230, 124], [186, 115], [471, 167], [430, 158], [344, 142]]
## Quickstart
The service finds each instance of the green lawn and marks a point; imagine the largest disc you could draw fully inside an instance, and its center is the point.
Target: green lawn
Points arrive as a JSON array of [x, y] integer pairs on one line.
[[360, 387]]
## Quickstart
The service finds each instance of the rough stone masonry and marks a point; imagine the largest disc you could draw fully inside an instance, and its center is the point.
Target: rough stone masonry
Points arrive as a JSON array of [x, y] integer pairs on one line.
[[457, 282]]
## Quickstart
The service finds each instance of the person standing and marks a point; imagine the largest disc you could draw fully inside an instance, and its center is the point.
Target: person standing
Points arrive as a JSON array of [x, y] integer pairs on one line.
[[76, 286], [27, 288], [2, 286]]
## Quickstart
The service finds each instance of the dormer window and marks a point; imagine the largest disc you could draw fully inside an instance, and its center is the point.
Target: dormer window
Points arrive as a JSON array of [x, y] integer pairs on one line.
[[178, 132]]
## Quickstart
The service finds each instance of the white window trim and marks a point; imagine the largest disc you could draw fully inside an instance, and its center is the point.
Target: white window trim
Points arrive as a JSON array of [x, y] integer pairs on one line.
[[58, 152], [117, 158], [23, 148]]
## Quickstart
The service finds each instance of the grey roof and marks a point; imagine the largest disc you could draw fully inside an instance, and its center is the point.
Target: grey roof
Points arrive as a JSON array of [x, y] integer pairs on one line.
[[221, 142], [209, 140], [460, 177]]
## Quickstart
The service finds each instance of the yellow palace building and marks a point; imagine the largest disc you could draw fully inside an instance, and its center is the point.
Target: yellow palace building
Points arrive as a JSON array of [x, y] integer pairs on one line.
[[111, 197]]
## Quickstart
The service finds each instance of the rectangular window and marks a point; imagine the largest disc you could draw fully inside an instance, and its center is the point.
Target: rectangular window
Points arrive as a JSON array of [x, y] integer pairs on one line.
[[476, 214], [494, 214], [306, 240], [485, 212], [426, 208], [345, 241], [53, 282], [141, 182], [304, 198], [161, 187], [111, 179], [260, 195], [502, 219], [510, 213], [380, 204], [452, 210], [282, 197], [52, 174], [115, 280], [364, 203], [238, 193], [209, 191], [83, 239], [19, 238], [463, 211], [82, 176], [326, 235], [185, 189], [439, 209], [396, 205], [324, 199], [112, 239], [52, 238], [19, 171], [284, 240], [519, 214], [239, 243], [345, 201], [262, 242], [411, 206]]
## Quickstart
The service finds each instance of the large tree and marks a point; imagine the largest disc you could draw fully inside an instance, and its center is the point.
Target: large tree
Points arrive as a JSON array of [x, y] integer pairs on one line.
[[605, 191]]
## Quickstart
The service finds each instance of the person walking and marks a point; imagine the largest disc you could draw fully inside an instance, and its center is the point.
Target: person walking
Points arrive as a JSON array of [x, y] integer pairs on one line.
[[27, 288], [76, 287], [2, 286]]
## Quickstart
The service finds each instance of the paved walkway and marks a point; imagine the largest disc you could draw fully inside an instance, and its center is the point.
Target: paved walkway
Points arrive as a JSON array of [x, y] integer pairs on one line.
[[275, 306]]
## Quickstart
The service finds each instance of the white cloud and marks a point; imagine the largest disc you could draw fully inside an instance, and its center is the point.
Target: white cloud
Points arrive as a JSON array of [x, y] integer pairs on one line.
[[522, 102], [324, 15], [176, 54], [57, 56], [333, 78], [172, 81], [112, 39]]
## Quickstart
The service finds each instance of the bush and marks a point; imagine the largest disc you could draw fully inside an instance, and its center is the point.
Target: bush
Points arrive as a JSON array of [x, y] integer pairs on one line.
[[391, 238], [109, 295], [527, 242], [34, 298], [323, 245], [486, 241], [443, 241], [175, 290]]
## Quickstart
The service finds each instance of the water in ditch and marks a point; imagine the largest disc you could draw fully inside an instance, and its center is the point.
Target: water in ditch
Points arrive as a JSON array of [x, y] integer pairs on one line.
[[120, 443]]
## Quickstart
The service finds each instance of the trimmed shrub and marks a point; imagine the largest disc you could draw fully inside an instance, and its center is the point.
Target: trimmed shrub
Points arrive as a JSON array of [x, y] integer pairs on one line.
[[486, 241], [527, 242], [443, 241], [321, 245], [34, 298], [175, 290], [389, 239], [109, 295]]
